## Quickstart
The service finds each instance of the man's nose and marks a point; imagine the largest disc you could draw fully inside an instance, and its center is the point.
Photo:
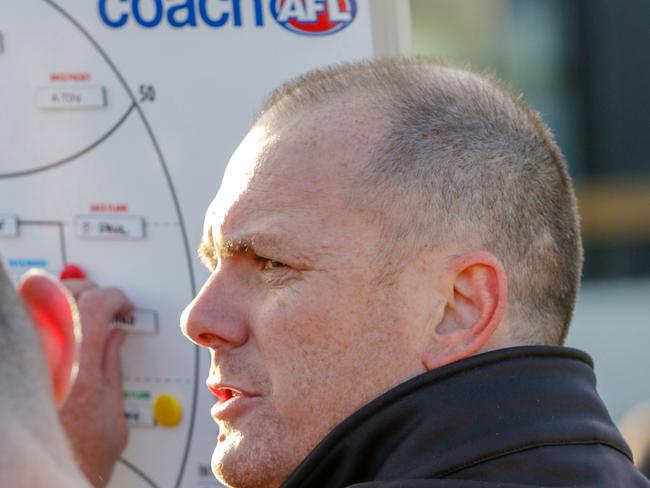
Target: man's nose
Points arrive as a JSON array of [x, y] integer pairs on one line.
[[216, 318]]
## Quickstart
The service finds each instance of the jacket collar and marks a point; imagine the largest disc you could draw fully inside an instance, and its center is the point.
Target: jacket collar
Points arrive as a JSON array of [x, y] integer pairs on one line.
[[463, 414]]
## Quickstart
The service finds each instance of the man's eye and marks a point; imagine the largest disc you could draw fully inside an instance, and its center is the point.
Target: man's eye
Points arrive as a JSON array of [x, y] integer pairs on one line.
[[270, 264]]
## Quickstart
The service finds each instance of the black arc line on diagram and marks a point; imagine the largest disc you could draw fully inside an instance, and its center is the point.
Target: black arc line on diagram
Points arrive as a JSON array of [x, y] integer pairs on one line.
[[177, 207], [69, 159]]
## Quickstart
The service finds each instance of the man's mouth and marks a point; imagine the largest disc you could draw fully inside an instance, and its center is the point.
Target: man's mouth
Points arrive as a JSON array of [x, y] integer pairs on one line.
[[231, 400], [225, 394]]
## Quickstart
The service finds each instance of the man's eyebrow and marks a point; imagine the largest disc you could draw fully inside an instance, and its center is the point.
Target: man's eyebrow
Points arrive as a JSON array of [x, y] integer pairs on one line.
[[207, 253], [231, 247]]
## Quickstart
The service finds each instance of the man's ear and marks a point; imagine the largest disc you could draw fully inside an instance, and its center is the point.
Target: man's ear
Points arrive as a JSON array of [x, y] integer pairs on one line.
[[54, 313], [476, 303]]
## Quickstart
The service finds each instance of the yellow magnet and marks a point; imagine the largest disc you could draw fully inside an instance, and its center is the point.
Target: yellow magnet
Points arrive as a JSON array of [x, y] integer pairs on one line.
[[167, 410]]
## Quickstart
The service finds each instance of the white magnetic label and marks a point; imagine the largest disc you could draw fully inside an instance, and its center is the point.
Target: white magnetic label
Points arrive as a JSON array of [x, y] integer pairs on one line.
[[138, 414], [100, 227], [139, 322], [71, 97], [8, 226]]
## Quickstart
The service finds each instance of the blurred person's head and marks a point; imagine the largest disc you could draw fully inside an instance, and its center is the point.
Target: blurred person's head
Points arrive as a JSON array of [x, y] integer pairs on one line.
[[38, 341], [379, 220]]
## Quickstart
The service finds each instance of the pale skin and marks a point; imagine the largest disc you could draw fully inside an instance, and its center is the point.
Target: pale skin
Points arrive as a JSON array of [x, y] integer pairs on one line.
[[294, 315]]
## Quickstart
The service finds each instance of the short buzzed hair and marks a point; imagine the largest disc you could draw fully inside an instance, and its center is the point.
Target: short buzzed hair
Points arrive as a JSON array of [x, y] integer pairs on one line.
[[463, 162], [23, 377]]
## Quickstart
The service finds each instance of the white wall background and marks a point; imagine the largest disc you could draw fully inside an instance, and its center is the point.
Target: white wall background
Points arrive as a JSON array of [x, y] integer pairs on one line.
[[612, 324]]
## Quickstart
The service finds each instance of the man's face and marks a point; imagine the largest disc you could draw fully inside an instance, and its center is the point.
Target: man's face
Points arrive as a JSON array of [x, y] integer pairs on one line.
[[301, 331]]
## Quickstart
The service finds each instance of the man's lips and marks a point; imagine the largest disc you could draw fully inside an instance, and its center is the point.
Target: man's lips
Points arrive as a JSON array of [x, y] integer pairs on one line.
[[224, 391], [231, 400]]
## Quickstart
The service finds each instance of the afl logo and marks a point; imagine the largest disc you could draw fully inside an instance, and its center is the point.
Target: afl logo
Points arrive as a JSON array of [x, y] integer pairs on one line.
[[314, 17]]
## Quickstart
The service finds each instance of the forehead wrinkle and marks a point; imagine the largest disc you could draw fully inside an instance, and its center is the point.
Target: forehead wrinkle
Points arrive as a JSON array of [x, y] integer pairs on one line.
[[252, 222]]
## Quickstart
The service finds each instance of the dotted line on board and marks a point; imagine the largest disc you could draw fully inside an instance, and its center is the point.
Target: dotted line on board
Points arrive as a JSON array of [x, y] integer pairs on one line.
[[67, 223], [156, 380]]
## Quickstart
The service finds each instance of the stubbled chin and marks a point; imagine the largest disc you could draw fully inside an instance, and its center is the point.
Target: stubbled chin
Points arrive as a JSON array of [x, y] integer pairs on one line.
[[239, 466], [226, 450], [258, 461]]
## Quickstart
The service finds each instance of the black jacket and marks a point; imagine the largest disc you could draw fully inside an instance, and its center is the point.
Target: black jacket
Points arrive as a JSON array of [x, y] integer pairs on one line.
[[518, 417]]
